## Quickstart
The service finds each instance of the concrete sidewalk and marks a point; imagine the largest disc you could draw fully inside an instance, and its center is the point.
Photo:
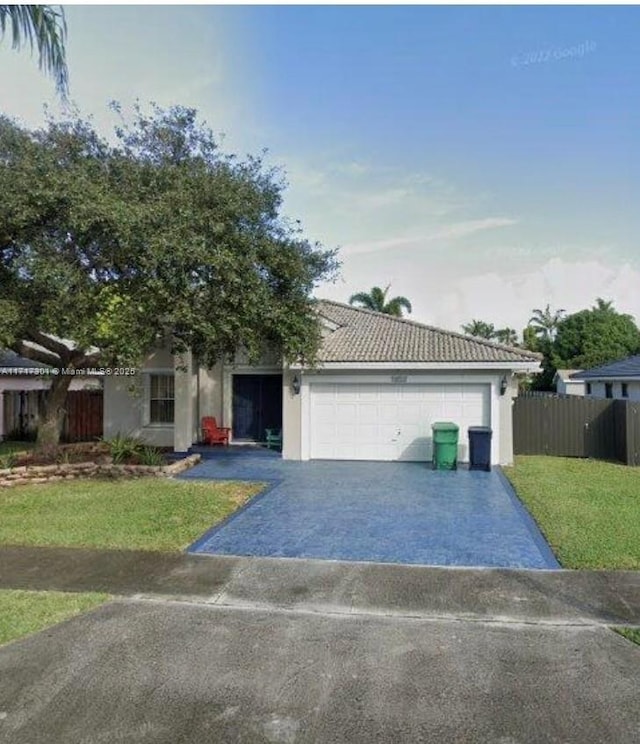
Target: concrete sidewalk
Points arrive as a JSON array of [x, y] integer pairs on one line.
[[171, 672], [291, 651], [500, 595]]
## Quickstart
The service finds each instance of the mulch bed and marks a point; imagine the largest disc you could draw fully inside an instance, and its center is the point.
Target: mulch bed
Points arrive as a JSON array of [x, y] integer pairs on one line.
[[83, 460], [97, 452]]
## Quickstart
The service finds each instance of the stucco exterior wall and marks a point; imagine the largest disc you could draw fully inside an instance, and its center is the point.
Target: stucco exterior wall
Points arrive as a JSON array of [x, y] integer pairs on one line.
[[159, 359], [598, 390], [570, 387], [633, 389], [291, 419], [126, 403], [506, 421], [202, 391], [199, 391], [186, 398], [210, 390], [122, 408]]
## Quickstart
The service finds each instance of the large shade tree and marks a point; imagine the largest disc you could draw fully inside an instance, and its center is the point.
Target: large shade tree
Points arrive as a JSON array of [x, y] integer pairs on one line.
[[595, 336], [107, 250], [585, 339], [42, 28], [377, 300]]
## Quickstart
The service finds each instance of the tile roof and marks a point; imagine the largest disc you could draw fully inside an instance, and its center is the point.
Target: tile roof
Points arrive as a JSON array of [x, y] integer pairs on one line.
[[629, 367], [367, 336]]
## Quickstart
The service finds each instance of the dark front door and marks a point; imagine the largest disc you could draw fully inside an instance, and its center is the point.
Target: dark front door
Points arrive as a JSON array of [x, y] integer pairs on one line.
[[257, 405]]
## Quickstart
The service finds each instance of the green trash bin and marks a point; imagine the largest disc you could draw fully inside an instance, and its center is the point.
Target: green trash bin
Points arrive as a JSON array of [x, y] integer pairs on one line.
[[445, 445]]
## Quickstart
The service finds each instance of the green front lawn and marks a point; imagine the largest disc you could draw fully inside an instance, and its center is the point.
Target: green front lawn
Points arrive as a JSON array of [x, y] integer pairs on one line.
[[23, 612], [632, 634], [588, 510], [145, 513]]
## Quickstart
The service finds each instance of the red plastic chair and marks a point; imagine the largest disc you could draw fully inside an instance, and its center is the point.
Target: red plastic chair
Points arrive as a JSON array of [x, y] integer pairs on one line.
[[212, 433]]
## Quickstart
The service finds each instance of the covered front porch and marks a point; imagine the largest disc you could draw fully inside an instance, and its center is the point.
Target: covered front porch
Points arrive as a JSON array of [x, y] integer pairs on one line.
[[245, 400]]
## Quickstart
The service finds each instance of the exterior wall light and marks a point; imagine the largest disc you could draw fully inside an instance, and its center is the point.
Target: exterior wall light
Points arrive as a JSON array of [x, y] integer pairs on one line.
[[503, 385], [295, 385]]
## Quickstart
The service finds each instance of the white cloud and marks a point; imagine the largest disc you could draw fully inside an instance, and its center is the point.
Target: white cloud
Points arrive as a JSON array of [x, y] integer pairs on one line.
[[444, 297], [448, 232], [124, 53], [359, 204], [469, 227], [509, 299]]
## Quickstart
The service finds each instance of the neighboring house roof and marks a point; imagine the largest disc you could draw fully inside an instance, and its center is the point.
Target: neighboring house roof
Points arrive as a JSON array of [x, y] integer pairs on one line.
[[629, 367], [367, 336], [566, 374], [11, 359]]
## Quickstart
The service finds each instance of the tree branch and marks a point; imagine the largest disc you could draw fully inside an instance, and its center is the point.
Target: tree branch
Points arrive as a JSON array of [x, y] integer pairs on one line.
[[36, 355], [82, 360], [58, 348]]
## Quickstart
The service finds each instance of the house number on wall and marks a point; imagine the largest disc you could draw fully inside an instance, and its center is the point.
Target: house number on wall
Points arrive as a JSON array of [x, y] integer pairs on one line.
[[398, 379]]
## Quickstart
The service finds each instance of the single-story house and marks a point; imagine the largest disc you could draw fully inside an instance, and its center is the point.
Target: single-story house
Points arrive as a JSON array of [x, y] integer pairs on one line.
[[379, 385], [619, 379], [566, 385], [21, 375]]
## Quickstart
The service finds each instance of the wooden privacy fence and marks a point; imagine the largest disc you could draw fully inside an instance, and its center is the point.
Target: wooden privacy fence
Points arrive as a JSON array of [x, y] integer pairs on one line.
[[82, 422], [576, 426]]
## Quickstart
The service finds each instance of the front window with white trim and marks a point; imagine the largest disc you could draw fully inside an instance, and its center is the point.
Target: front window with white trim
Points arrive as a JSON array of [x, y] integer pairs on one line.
[[161, 399]]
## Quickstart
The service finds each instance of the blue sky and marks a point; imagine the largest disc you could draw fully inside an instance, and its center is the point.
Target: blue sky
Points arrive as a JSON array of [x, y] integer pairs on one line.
[[482, 160]]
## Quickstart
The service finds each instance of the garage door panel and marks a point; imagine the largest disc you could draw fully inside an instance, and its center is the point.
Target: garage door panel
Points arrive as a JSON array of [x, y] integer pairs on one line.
[[388, 431], [418, 449], [345, 413], [326, 414], [368, 413], [391, 422], [365, 393]]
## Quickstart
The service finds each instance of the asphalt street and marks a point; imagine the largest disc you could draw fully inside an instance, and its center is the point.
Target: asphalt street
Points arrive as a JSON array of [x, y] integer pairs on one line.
[[295, 652]]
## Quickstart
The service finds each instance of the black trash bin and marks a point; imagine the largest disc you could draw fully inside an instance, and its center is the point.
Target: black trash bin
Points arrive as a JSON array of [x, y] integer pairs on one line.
[[480, 447]]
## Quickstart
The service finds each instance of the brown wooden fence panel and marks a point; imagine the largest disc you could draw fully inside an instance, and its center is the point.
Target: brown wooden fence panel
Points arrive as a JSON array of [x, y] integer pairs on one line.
[[82, 423], [570, 426], [632, 431]]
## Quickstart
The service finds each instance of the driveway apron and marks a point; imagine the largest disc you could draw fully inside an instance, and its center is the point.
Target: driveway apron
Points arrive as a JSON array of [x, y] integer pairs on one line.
[[387, 512]]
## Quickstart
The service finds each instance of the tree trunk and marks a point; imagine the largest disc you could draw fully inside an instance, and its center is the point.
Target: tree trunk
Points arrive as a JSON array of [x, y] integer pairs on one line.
[[50, 423]]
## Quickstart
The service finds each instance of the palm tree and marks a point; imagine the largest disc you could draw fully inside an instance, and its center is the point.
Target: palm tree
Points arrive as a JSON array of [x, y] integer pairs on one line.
[[545, 322], [45, 28], [480, 329], [603, 305], [377, 300], [508, 336]]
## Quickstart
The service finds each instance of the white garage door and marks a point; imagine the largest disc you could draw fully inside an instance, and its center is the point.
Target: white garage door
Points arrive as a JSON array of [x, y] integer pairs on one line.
[[390, 422]]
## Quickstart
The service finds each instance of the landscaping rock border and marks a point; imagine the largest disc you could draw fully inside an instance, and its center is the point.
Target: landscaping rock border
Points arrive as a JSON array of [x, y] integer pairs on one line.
[[28, 474]]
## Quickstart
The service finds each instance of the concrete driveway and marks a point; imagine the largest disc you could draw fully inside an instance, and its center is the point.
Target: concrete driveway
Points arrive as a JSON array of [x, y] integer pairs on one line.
[[257, 664], [373, 511]]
